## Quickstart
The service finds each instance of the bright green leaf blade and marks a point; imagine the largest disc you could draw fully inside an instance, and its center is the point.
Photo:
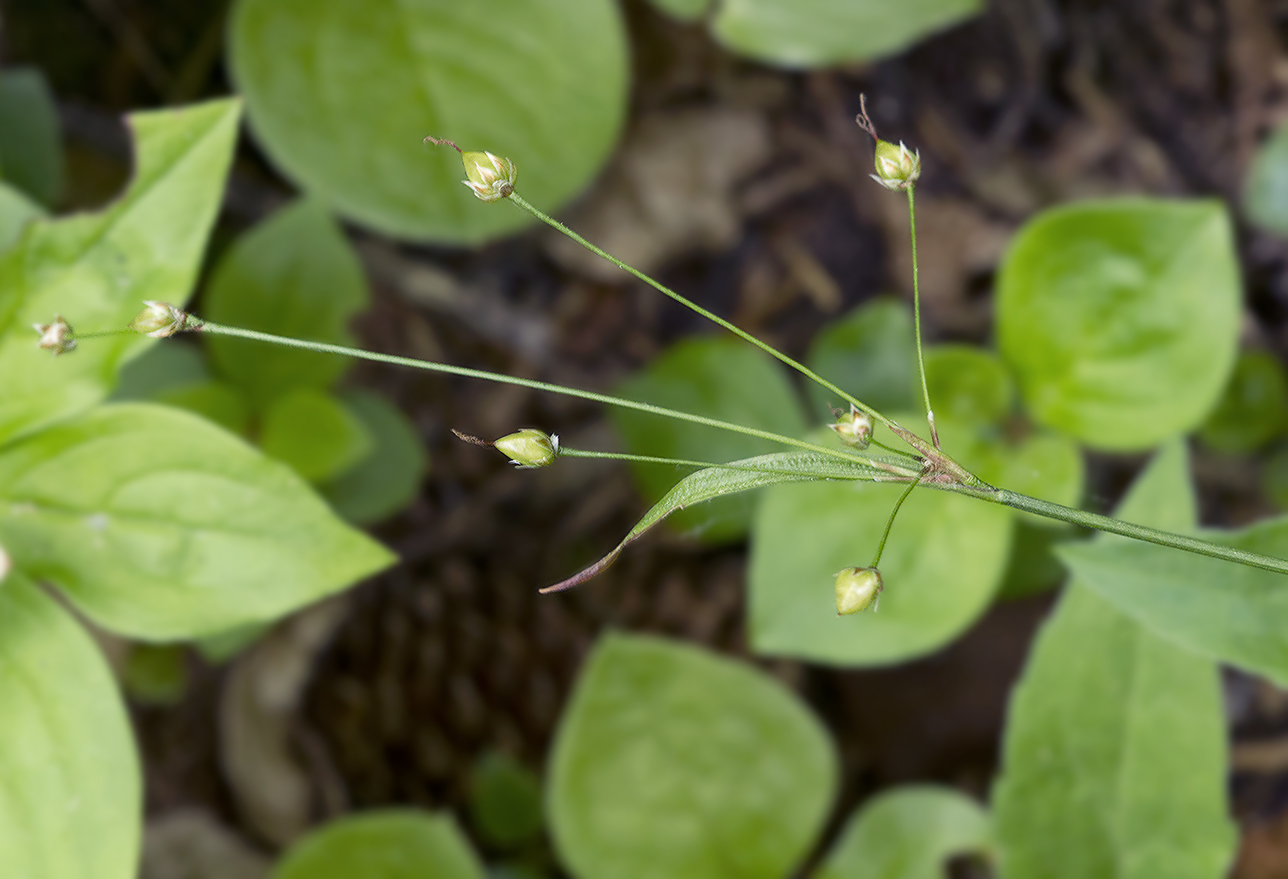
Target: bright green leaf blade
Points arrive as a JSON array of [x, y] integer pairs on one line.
[[341, 96], [161, 526], [720, 378], [388, 478], [31, 146], [386, 844], [1265, 189], [16, 211], [71, 804], [1115, 746], [968, 384], [295, 275], [817, 33], [1253, 408], [1044, 465], [215, 401], [908, 833], [96, 269], [1120, 318], [870, 354], [714, 482], [314, 434], [673, 762]]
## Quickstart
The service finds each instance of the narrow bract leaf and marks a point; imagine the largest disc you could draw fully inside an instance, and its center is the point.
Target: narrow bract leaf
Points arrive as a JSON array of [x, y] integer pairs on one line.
[[715, 482], [673, 762], [71, 804], [294, 275], [1115, 744], [159, 525], [96, 269], [386, 844], [908, 833]]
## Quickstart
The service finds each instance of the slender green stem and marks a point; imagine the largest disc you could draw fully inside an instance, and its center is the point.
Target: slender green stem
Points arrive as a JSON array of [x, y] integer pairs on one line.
[[565, 452], [103, 333], [916, 314], [711, 316], [1111, 525], [326, 348], [876, 560]]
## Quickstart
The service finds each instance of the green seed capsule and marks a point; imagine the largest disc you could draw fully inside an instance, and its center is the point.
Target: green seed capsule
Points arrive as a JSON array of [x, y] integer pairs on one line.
[[857, 589], [529, 447]]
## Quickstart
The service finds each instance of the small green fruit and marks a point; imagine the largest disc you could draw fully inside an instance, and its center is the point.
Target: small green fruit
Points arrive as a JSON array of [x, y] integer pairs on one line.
[[853, 427], [490, 177], [857, 589], [529, 447], [897, 166]]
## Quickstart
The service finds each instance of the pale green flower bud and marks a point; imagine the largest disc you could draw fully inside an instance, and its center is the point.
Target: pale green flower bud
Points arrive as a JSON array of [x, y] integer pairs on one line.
[[490, 177], [57, 336], [529, 447], [857, 589], [853, 427], [897, 166], [161, 319]]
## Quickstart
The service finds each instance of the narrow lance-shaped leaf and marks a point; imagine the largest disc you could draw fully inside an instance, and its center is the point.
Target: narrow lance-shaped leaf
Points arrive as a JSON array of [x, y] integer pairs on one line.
[[71, 803], [96, 269], [715, 482], [159, 525], [1115, 745]]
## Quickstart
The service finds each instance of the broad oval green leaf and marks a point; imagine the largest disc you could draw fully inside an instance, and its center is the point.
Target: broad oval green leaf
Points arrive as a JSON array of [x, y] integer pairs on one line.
[[670, 761], [385, 844], [295, 275], [869, 353], [1044, 465], [31, 146], [908, 833], [314, 434], [1254, 407], [1265, 189], [968, 384], [720, 378], [71, 804], [817, 33], [96, 269], [1120, 318], [161, 526], [342, 94], [388, 478], [1115, 744]]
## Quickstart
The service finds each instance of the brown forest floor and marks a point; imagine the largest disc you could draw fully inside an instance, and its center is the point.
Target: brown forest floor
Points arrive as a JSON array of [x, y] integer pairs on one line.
[[391, 694]]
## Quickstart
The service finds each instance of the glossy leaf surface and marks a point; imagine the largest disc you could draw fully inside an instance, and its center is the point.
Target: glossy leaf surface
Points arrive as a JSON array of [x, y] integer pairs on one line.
[[670, 761]]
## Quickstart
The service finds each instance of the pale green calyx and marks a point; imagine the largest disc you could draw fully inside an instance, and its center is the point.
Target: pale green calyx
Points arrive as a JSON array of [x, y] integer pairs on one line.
[[57, 336], [490, 177], [854, 427], [857, 589], [897, 166], [529, 447], [161, 319]]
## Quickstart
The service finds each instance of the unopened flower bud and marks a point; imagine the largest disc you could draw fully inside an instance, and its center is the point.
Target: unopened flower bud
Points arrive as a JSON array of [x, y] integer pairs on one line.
[[529, 447], [857, 589], [57, 336], [490, 177], [853, 427], [897, 166], [161, 319]]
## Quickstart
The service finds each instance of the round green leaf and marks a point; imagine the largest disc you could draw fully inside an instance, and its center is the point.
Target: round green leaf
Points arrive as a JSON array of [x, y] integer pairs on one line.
[[215, 401], [908, 833], [1120, 318], [388, 844], [720, 378], [315, 434], [1043, 465], [505, 802], [167, 366], [341, 95], [1265, 190], [968, 384], [944, 560], [673, 762], [870, 354], [1253, 409], [70, 802], [815, 33], [31, 148], [388, 477]]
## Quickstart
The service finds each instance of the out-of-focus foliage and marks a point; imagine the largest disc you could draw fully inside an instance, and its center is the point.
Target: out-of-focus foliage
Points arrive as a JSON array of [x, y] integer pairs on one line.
[[31, 148]]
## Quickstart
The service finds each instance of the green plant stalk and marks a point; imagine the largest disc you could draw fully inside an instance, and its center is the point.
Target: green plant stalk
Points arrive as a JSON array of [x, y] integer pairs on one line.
[[711, 316], [885, 535], [709, 465], [327, 348], [1110, 525], [916, 314]]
